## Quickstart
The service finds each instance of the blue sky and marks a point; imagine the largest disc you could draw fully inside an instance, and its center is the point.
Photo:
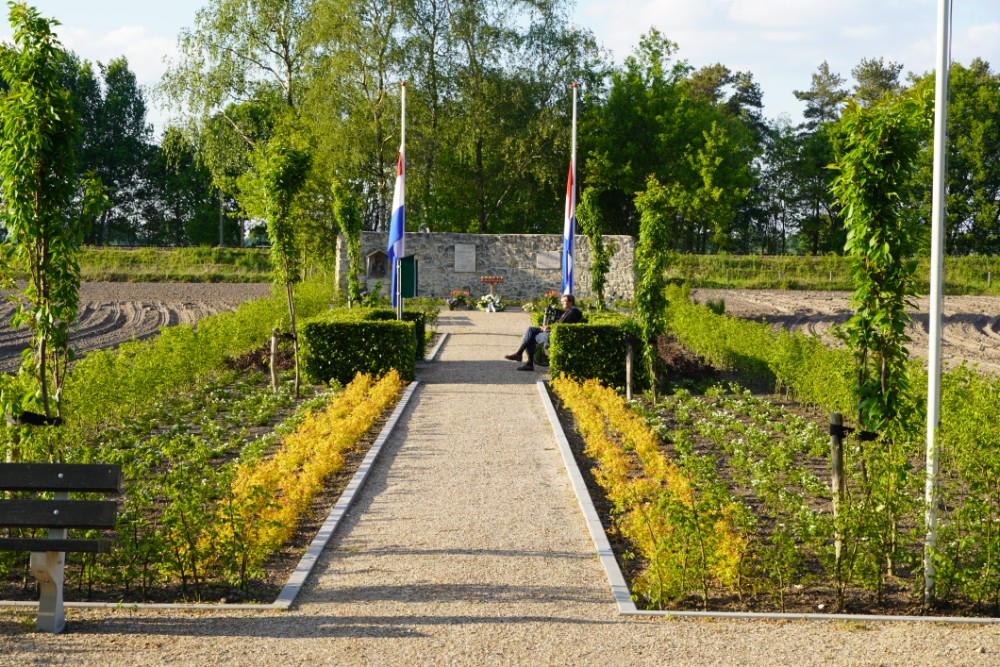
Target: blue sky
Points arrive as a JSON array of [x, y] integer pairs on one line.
[[781, 41]]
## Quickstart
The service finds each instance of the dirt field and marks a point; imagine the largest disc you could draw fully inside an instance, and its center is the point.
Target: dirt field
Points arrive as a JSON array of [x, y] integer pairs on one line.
[[112, 313], [970, 324]]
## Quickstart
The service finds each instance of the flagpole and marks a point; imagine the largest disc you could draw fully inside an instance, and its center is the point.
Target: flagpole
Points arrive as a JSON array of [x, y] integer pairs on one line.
[[937, 277], [402, 153], [570, 218], [573, 152], [397, 219]]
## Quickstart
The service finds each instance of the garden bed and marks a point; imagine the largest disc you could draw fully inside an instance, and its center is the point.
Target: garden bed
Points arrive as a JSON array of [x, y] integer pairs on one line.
[[775, 521]]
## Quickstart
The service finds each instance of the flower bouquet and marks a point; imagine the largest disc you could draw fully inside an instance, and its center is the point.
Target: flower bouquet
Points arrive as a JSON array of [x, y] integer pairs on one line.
[[491, 303], [459, 299]]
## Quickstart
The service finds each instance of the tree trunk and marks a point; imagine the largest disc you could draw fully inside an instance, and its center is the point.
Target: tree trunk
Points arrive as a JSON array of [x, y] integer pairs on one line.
[[295, 337]]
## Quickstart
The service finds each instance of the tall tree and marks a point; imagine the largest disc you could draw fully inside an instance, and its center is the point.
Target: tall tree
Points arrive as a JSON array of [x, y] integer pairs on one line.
[[825, 97], [38, 184], [876, 80], [354, 100], [240, 72], [120, 152], [824, 101]]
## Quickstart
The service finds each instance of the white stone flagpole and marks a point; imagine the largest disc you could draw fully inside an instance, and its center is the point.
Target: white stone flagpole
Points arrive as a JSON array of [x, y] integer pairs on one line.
[[936, 284]]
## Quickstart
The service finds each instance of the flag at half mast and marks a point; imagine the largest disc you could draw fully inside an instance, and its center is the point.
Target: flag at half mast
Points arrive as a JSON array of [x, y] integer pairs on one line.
[[568, 227], [570, 220], [397, 227]]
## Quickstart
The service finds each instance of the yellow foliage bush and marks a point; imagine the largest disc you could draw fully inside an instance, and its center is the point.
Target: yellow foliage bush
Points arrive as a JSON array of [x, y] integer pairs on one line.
[[262, 510], [657, 508]]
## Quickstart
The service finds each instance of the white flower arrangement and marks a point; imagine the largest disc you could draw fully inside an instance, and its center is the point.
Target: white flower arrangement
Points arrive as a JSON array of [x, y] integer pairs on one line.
[[491, 303]]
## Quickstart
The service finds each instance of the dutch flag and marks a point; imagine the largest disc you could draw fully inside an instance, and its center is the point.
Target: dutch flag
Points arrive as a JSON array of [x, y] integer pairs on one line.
[[397, 226], [570, 224]]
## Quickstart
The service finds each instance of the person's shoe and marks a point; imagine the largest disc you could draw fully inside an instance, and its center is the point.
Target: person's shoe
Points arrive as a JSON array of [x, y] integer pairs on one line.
[[512, 357], [526, 367]]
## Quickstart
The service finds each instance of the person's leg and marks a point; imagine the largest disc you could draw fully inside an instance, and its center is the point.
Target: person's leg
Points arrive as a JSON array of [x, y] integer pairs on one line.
[[528, 338], [529, 347]]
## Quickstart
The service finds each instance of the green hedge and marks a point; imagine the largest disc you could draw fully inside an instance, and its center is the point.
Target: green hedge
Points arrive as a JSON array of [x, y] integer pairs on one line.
[[419, 325], [596, 349], [338, 350]]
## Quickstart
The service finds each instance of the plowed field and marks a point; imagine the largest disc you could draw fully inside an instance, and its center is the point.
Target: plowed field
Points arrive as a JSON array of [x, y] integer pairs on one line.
[[112, 313], [970, 324]]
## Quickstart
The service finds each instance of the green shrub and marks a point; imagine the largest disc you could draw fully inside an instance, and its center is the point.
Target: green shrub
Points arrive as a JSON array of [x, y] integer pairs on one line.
[[595, 350], [339, 350]]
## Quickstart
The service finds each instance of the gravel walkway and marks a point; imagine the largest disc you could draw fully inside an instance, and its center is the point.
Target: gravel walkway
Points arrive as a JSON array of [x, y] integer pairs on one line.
[[467, 548]]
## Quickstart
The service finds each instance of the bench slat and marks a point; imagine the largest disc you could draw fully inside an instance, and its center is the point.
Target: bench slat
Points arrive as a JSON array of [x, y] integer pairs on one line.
[[43, 544], [30, 513], [96, 477]]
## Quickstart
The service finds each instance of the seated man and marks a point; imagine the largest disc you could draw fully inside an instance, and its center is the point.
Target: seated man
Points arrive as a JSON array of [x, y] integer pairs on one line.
[[535, 336]]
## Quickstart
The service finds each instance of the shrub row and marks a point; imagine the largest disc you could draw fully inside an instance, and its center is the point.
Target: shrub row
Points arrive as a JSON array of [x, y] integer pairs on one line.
[[262, 508], [681, 531], [339, 344], [803, 365]]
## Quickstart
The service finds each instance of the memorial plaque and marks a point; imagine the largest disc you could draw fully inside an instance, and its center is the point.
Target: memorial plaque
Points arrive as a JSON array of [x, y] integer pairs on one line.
[[465, 258], [548, 260]]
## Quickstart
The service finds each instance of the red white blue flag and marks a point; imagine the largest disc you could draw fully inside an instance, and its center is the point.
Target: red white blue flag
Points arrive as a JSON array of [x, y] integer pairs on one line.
[[397, 226], [568, 228]]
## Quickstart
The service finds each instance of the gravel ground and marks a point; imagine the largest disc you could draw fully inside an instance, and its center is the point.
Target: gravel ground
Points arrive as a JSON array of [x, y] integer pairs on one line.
[[467, 548]]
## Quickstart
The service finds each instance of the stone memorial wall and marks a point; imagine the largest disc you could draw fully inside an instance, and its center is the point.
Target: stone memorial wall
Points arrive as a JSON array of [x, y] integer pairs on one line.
[[530, 264]]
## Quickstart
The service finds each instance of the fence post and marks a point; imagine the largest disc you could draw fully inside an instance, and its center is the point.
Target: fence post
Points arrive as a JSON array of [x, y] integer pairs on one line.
[[629, 363], [837, 481], [274, 359]]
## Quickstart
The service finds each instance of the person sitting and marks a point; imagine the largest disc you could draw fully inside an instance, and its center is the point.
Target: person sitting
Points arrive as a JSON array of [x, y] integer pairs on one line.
[[535, 336]]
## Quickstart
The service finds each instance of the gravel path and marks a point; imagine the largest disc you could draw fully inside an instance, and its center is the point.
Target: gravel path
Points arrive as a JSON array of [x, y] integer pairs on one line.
[[467, 548]]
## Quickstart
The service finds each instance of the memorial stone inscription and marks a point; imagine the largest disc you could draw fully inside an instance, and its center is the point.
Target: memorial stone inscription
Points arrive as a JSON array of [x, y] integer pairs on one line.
[[465, 258]]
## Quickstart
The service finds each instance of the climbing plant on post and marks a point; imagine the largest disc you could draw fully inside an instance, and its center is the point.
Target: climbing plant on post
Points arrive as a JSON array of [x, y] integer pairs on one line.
[[876, 149], [45, 208], [588, 212], [347, 213], [655, 210], [283, 175]]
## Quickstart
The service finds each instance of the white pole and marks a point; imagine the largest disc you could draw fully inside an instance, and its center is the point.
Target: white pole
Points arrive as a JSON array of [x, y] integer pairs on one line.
[[573, 152], [936, 284], [402, 150]]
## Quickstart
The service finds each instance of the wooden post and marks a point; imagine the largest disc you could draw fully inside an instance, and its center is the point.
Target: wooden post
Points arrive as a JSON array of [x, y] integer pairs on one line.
[[837, 480], [629, 365], [274, 359]]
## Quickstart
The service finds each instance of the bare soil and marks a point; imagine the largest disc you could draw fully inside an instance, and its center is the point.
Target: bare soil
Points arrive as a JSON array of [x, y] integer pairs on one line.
[[970, 328], [114, 313]]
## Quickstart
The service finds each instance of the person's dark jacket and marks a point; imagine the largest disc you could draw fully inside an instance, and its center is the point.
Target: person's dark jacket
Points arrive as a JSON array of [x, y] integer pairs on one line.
[[572, 315]]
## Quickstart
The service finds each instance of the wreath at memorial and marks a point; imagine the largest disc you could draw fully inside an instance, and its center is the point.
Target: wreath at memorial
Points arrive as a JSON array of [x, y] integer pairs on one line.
[[491, 302]]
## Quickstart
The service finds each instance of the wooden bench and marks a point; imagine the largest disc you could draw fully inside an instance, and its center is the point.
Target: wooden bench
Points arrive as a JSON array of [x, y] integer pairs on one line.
[[58, 515]]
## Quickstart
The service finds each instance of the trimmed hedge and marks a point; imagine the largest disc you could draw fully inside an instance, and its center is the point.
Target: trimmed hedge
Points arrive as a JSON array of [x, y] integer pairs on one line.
[[596, 350], [415, 316], [342, 342], [339, 350]]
